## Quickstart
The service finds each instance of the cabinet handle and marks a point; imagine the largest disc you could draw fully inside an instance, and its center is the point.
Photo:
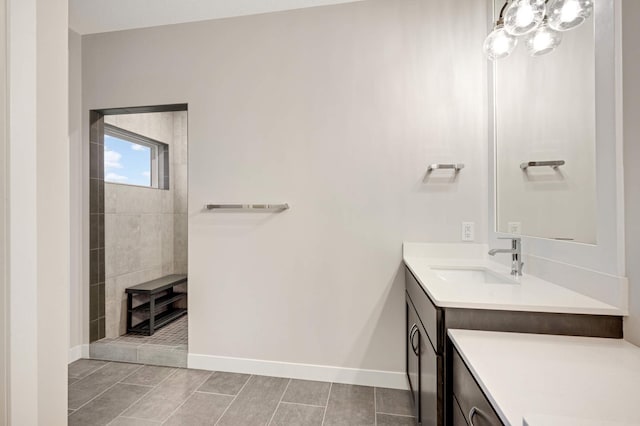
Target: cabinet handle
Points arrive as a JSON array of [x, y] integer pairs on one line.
[[416, 349], [412, 332], [473, 412], [413, 329]]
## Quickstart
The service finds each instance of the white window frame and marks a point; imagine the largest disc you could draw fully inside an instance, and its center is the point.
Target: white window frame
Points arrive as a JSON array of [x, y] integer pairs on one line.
[[159, 166]]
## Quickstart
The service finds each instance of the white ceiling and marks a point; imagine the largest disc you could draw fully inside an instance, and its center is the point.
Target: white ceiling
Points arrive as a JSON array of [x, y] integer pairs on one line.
[[98, 16]]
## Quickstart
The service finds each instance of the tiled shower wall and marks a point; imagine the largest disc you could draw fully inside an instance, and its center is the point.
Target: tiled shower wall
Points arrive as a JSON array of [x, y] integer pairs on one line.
[[96, 229], [145, 228]]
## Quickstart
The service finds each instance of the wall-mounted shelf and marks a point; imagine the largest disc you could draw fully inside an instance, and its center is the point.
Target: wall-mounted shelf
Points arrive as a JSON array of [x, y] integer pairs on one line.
[[276, 208], [553, 163], [440, 166]]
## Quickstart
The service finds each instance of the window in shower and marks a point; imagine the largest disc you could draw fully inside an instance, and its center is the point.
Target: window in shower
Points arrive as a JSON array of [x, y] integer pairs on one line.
[[133, 159]]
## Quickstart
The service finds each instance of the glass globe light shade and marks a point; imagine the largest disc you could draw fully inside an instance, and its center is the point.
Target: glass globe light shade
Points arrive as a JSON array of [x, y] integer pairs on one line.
[[543, 40], [524, 16], [499, 44], [564, 15]]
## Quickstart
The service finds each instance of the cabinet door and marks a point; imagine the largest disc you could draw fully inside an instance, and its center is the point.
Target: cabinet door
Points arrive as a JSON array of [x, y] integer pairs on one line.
[[429, 314], [429, 384], [412, 356], [472, 401], [458, 415]]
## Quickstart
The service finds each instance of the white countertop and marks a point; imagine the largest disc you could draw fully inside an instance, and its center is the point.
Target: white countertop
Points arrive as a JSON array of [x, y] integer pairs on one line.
[[533, 379], [529, 294]]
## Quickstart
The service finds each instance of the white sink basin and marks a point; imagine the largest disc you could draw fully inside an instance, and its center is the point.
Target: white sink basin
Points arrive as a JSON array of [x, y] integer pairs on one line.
[[471, 275]]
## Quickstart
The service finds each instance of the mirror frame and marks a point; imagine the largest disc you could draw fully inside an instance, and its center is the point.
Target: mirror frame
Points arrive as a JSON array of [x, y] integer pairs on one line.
[[607, 255]]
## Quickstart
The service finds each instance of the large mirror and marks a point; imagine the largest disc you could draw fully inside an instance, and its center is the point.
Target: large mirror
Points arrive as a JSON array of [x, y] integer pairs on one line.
[[546, 139]]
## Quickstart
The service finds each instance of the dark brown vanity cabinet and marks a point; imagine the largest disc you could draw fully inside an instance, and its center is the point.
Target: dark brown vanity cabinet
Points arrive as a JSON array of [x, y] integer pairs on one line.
[[470, 405], [430, 355], [414, 337], [422, 369]]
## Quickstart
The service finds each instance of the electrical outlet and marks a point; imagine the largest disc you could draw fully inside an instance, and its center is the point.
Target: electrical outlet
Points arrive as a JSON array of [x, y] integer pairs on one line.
[[515, 228], [468, 231]]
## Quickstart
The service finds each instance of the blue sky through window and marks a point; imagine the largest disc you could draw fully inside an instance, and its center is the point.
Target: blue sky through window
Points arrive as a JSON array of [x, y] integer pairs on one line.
[[126, 162]]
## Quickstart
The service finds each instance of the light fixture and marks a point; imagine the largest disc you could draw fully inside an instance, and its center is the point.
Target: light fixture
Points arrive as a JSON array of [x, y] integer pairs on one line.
[[499, 43], [543, 40], [567, 14], [524, 16], [539, 21]]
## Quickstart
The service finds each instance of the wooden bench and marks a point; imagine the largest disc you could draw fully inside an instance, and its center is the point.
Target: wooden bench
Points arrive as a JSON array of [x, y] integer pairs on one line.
[[161, 294]]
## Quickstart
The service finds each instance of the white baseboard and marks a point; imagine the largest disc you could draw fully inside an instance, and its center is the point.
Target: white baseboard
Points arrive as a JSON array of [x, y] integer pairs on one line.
[[324, 373], [78, 352]]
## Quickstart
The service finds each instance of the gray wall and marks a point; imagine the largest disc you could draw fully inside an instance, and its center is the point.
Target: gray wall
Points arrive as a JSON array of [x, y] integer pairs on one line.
[[631, 88], [145, 228], [337, 110]]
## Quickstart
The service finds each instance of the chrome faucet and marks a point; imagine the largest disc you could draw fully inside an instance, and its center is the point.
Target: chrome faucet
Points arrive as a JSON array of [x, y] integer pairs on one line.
[[516, 255]]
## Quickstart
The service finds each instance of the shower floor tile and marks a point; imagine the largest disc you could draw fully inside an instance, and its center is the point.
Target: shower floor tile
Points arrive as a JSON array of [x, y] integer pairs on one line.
[[166, 347], [173, 334]]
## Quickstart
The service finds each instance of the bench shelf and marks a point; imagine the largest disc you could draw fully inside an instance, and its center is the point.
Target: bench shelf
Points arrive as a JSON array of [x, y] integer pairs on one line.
[[161, 319], [161, 294]]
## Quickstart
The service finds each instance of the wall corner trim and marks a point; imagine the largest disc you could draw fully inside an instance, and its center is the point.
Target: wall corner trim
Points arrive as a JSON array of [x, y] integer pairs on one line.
[[325, 373]]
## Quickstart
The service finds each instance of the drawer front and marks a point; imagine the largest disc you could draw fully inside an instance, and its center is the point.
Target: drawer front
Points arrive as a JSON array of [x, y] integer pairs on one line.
[[426, 310], [474, 405]]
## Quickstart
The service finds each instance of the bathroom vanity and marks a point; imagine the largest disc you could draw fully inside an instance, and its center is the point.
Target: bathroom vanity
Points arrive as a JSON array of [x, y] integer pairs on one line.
[[527, 379], [451, 286]]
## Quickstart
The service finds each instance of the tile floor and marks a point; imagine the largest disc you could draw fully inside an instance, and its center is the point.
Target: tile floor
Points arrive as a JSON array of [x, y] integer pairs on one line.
[[167, 346], [175, 333], [119, 394]]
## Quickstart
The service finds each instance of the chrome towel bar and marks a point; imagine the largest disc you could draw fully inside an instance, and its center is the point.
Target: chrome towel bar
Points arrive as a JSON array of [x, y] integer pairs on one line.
[[554, 163], [438, 166], [248, 207]]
